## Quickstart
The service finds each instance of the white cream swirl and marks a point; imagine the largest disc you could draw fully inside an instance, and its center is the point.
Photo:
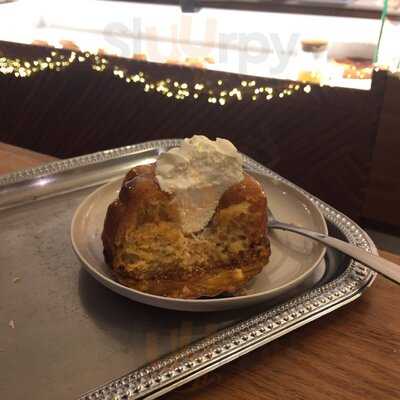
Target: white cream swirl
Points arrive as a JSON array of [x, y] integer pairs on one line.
[[198, 173]]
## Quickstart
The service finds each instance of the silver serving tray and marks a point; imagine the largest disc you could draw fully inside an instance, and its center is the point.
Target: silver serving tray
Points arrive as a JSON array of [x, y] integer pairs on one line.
[[72, 334]]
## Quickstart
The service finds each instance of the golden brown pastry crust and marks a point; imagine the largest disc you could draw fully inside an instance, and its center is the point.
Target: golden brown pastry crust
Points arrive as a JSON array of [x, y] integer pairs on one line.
[[147, 250]]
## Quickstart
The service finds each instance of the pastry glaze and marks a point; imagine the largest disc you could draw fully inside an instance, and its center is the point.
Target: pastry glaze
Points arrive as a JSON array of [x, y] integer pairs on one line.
[[146, 248]]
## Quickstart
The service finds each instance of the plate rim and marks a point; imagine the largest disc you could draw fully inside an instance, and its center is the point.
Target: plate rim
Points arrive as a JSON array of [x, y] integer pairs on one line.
[[154, 299]]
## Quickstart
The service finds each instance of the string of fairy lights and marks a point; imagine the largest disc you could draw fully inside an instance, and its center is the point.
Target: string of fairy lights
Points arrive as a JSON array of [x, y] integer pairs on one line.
[[217, 93]]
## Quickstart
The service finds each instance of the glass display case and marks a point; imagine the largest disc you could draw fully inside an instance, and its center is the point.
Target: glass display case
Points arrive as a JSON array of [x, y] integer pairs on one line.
[[262, 38]]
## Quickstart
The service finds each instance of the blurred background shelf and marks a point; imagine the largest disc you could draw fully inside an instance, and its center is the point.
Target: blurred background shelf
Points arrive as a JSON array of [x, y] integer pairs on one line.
[[344, 8]]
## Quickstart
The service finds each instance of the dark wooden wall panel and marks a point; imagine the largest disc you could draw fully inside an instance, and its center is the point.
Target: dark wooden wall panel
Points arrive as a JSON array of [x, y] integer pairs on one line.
[[383, 193], [322, 140]]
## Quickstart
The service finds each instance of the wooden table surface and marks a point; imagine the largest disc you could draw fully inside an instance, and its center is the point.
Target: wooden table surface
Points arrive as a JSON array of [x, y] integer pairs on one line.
[[353, 353]]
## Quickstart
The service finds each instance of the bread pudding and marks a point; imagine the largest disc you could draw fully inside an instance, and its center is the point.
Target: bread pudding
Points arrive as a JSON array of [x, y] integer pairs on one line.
[[153, 240]]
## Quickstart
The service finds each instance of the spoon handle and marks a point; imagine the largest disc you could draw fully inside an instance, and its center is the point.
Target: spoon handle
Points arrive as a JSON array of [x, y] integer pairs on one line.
[[384, 267]]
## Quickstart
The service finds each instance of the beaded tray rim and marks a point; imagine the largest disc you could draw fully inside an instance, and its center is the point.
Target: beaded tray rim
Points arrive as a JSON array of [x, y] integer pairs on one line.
[[222, 347]]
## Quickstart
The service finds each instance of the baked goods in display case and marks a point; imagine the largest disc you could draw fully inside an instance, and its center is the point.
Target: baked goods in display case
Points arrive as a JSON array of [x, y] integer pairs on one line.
[[70, 45], [356, 68], [140, 56], [313, 61]]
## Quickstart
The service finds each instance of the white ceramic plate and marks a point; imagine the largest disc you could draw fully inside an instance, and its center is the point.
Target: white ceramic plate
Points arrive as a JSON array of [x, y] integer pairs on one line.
[[293, 259]]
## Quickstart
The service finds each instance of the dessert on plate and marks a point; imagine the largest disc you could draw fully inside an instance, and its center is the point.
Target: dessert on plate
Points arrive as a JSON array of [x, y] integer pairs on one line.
[[192, 224]]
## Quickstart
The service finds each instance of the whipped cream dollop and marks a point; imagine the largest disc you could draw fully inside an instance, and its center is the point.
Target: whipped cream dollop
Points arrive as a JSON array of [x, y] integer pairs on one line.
[[197, 174]]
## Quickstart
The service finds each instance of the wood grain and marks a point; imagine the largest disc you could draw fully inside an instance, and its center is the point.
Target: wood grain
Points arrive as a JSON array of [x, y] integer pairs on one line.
[[351, 354], [13, 158], [383, 193]]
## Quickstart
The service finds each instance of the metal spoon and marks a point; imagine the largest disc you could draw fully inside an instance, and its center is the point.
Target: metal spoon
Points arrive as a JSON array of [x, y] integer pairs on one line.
[[384, 267]]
